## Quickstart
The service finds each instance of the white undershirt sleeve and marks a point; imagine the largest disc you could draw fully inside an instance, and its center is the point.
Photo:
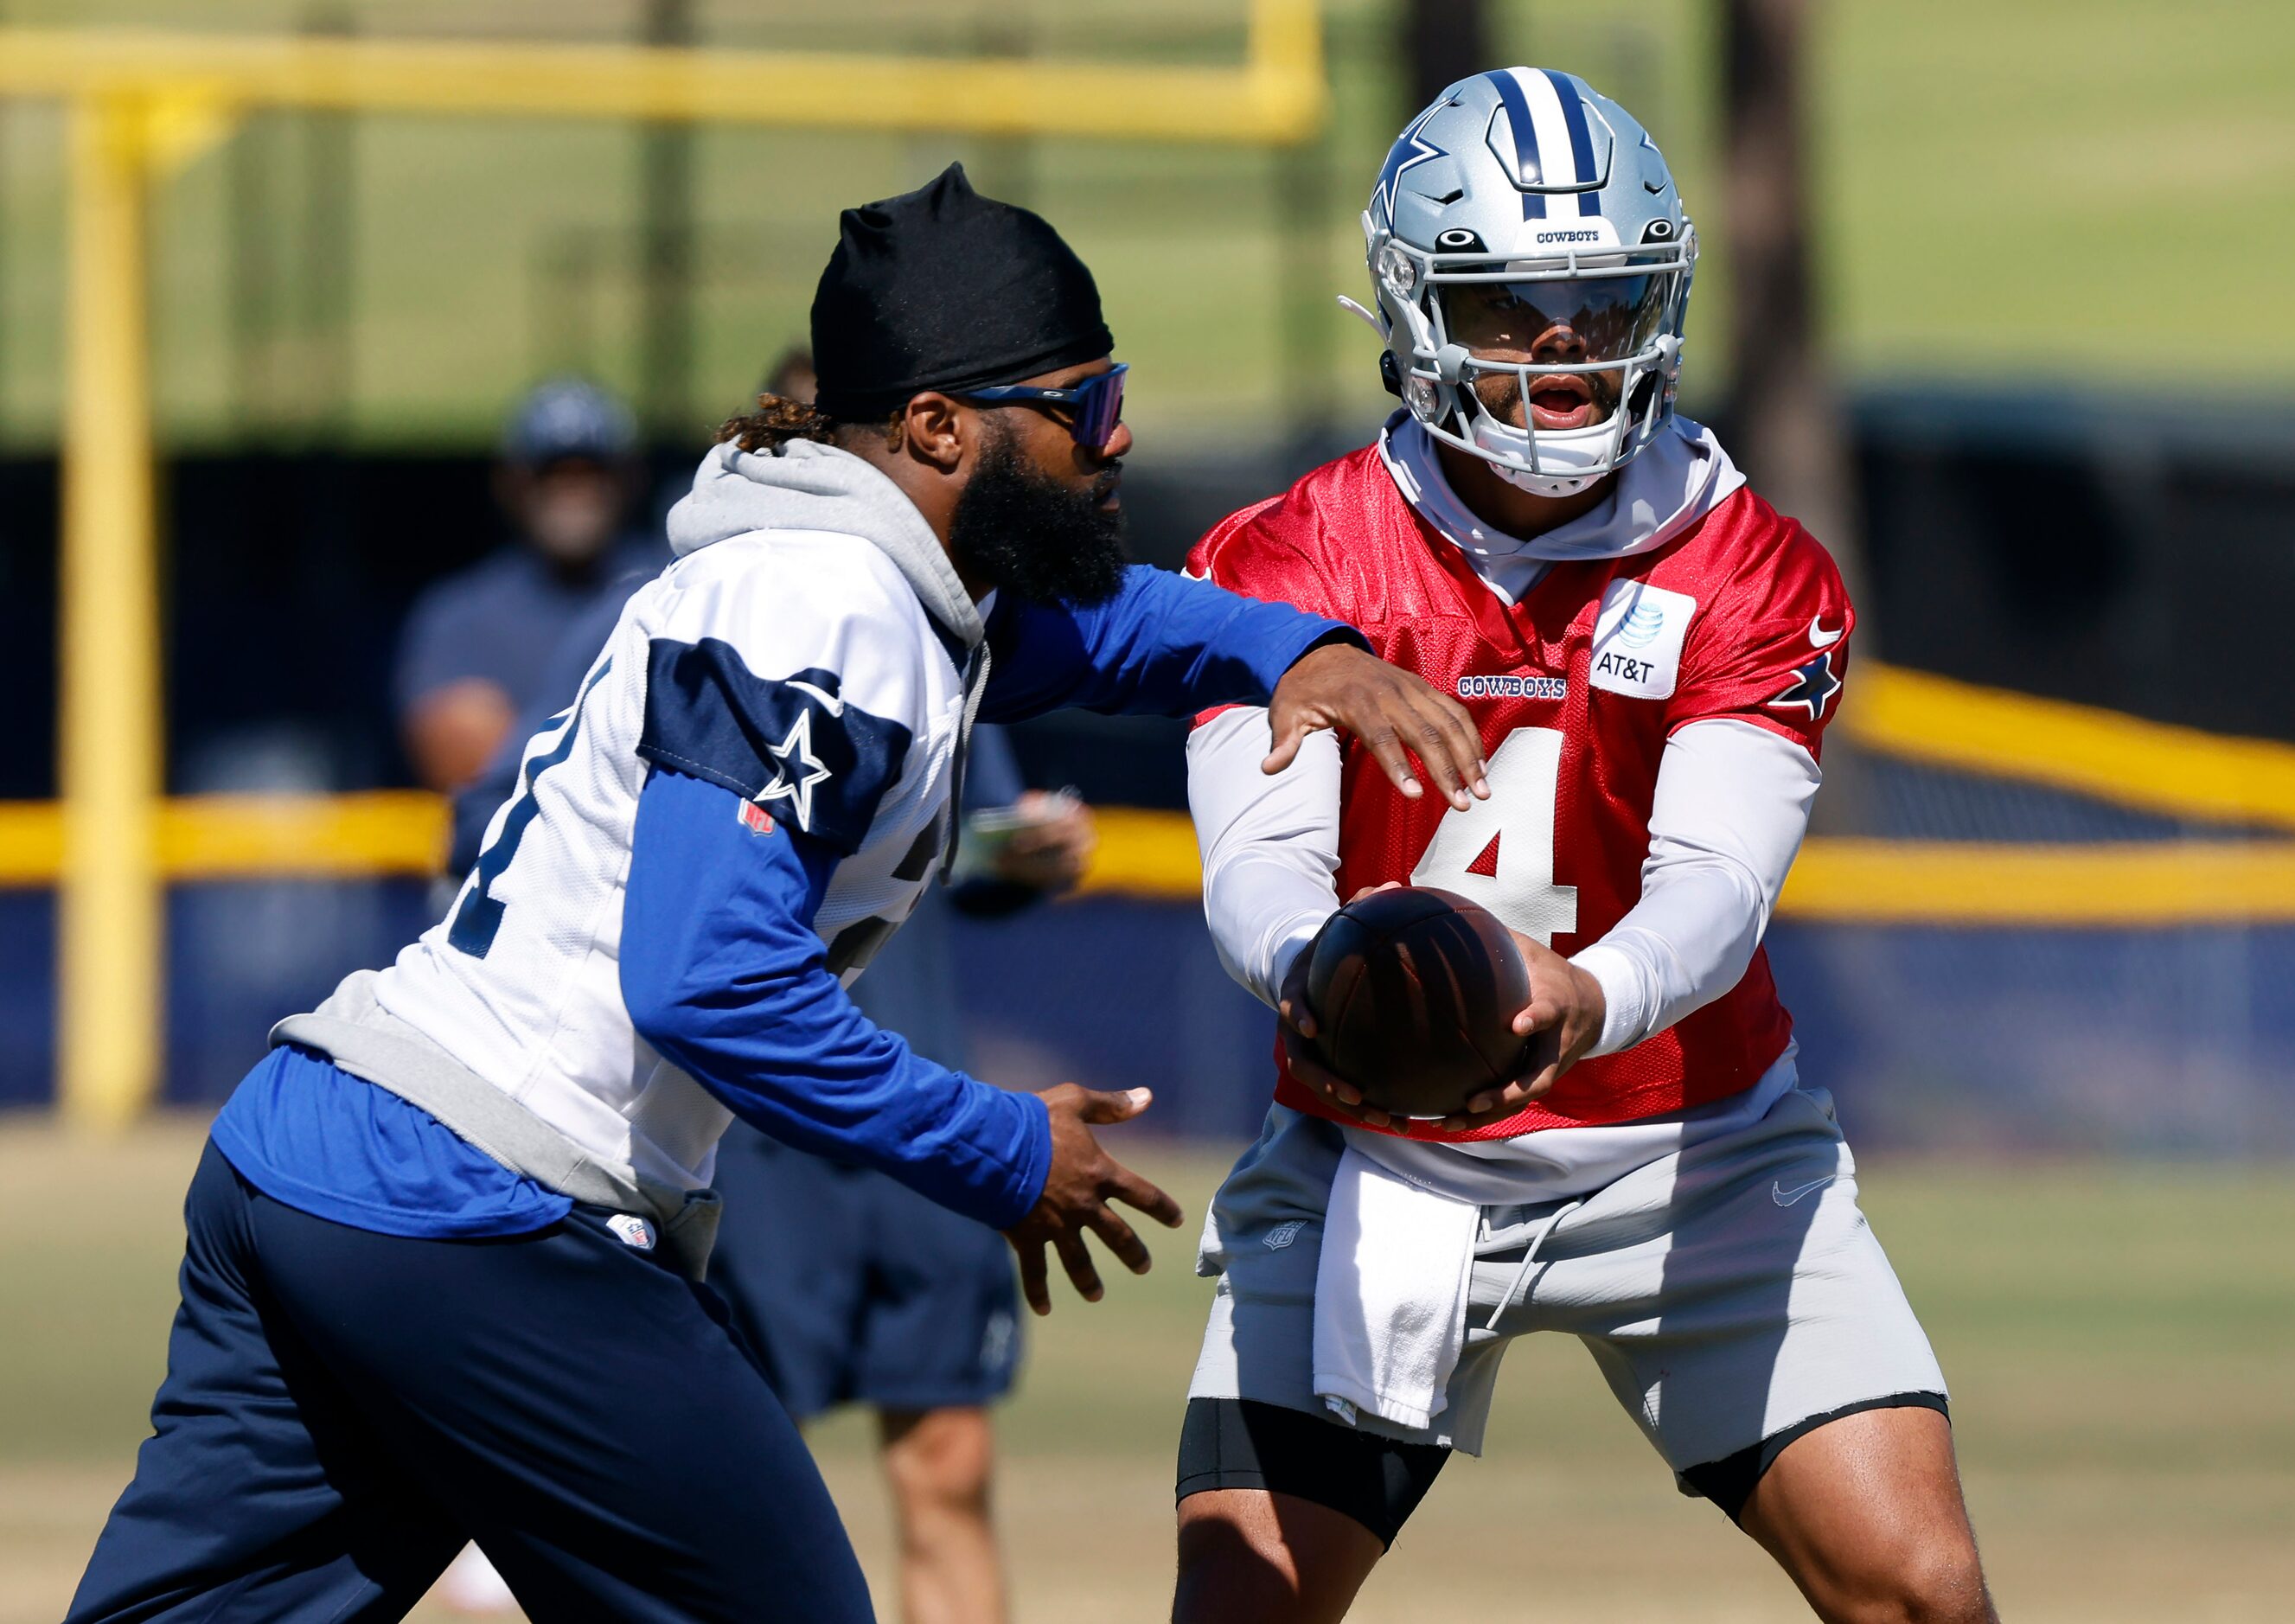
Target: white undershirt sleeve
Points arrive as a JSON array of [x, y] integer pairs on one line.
[[1731, 806], [1270, 845]]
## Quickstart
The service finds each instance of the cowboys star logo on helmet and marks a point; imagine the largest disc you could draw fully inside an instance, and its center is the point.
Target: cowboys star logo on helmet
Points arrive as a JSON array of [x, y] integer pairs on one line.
[[1529, 257]]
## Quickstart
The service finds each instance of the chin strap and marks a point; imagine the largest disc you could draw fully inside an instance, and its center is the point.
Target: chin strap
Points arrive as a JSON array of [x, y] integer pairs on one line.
[[1369, 319]]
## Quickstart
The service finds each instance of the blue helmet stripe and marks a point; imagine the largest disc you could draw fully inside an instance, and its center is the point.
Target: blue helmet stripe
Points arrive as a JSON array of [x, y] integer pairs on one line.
[[1581, 141], [1525, 138]]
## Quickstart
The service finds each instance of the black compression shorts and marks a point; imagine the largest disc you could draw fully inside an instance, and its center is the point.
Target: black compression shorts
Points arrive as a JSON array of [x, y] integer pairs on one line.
[[1242, 1443]]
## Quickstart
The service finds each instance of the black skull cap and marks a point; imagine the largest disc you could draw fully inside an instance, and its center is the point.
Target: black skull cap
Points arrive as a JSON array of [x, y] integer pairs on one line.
[[943, 289]]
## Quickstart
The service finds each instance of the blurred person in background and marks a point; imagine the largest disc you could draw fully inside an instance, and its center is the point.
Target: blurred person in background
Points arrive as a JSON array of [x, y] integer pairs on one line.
[[851, 1287], [444, 1246], [476, 645]]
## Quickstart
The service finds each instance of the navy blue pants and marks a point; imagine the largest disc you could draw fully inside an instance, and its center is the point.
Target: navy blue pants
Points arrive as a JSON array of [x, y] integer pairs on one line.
[[342, 1410]]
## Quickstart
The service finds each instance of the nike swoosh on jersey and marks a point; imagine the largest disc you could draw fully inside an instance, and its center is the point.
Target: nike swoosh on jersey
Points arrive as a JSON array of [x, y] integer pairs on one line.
[[1784, 1197], [1818, 637]]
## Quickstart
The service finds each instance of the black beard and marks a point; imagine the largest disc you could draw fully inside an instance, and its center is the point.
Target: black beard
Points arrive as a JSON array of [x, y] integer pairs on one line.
[[1022, 531]]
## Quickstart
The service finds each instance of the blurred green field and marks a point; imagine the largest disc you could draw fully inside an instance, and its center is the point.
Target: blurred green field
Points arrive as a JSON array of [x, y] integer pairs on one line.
[[2022, 193], [2117, 1339]]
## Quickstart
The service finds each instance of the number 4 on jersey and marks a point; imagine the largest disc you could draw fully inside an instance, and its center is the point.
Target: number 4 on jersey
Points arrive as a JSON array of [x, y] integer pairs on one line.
[[1499, 853]]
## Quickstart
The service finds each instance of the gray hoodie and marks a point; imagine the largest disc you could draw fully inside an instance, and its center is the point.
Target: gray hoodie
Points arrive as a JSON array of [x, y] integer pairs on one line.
[[805, 485]]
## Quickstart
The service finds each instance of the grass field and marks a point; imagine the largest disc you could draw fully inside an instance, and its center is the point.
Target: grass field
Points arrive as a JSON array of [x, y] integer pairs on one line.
[[2015, 192], [2117, 1339]]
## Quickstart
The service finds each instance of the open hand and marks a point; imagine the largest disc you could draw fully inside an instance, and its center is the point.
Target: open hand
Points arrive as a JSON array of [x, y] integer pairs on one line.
[[1392, 712], [1083, 1180]]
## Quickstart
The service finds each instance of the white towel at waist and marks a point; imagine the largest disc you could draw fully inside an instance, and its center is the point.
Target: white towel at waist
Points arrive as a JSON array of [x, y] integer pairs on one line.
[[1391, 1293]]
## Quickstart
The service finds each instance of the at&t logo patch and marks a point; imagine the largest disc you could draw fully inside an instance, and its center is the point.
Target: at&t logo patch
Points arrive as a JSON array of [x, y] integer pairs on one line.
[[1638, 639]]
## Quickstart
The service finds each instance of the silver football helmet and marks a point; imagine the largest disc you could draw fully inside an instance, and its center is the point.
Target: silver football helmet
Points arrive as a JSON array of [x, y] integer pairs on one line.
[[1527, 248]]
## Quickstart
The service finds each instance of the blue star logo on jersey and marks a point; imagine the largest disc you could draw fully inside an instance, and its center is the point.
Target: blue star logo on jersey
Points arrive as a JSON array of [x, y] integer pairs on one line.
[[1382, 196], [800, 770], [1813, 687]]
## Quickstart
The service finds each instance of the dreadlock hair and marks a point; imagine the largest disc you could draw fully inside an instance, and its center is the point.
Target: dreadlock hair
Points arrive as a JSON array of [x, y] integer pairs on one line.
[[779, 419]]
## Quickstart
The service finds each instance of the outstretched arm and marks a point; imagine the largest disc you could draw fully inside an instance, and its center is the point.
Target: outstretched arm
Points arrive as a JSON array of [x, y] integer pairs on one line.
[[1167, 645], [1163, 645]]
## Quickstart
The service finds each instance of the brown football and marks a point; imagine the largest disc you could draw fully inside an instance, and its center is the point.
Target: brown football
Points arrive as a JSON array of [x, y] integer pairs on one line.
[[1413, 992]]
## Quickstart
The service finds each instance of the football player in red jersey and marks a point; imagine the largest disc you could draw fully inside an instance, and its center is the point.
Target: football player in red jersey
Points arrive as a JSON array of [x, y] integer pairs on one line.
[[1651, 653]]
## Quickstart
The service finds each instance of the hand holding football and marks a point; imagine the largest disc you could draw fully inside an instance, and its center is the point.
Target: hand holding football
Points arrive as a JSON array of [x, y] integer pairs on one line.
[[1413, 991]]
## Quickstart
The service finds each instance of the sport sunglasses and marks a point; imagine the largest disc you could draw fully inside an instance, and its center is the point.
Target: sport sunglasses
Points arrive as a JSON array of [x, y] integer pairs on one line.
[[1095, 406]]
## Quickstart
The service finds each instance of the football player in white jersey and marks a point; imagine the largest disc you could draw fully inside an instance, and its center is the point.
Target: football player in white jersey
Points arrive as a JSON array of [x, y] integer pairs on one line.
[[441, 1276]]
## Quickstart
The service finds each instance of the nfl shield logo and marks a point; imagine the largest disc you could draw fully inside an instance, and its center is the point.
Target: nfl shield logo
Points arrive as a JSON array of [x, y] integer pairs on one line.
[[634, 1230], [755, 818]]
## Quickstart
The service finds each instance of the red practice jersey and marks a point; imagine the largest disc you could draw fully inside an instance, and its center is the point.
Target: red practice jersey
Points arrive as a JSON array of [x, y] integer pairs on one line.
[[1576, 689]]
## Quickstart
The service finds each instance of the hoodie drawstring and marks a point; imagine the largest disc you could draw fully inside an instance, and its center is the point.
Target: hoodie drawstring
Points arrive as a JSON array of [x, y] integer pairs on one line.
[[975, 685], [1528, 1257]]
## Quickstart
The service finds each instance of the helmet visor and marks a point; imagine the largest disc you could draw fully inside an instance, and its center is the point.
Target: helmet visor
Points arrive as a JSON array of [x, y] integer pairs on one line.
[[1566, 321]]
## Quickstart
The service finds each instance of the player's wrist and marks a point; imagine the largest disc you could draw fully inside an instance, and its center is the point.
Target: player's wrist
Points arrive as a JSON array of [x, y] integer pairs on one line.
[[1286, 964], [1617, 984]]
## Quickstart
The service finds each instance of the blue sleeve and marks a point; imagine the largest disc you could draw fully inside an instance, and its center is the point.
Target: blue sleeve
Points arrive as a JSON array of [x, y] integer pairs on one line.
[[724, 975], [992, 779], [1164, 645]]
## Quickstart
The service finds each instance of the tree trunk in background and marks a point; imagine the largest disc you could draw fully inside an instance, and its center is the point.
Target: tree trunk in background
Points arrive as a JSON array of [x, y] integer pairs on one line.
[[254, 276], [1443, 41], [665, 257], [1786, 425], [1785, 419]]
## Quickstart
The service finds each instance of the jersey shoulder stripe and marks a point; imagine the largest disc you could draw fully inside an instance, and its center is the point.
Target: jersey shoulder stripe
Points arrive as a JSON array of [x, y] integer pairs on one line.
[[791, 744], [786, 598]]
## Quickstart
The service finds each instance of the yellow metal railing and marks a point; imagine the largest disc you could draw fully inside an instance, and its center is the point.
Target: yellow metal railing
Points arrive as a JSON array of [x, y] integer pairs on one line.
[[1152, 855], [2176, 771], [141, 101], [1276, 96]]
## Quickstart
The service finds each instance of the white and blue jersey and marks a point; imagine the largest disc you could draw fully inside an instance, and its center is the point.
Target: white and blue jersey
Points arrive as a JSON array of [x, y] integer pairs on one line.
[[746, 797]]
